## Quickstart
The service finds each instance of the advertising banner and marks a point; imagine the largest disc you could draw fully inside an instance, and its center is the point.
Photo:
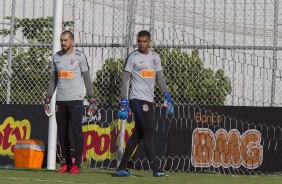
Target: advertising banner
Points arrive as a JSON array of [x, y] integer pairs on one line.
[[224, 138], [195, 138]]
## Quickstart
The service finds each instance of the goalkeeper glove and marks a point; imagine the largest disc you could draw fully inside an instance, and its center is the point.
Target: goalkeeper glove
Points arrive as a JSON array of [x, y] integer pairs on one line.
[[92, 107], [47, 106], [168, 103], [124, 109]]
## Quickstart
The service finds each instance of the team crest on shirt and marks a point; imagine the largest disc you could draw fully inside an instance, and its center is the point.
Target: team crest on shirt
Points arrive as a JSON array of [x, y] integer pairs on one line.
[[73, 62], [145, 107], [154, 61]]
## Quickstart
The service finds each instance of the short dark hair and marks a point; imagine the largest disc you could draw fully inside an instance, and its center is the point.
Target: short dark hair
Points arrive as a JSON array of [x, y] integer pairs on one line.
[[68, 32], [144, 33]]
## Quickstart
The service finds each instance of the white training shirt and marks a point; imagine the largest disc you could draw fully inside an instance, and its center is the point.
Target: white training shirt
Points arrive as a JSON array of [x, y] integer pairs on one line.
[[69, 68], [143, 70]]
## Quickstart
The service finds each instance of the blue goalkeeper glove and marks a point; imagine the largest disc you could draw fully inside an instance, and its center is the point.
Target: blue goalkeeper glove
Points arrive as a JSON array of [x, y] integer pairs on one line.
[[168, 103], [124, 109]]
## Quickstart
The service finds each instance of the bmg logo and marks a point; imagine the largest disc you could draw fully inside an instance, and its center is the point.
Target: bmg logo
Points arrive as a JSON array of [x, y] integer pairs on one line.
[[226, 149]]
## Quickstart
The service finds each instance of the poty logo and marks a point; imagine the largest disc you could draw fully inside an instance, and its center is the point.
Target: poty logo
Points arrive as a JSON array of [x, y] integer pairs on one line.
[[66, 74], [101, 143], [148, 73], [10, 132]]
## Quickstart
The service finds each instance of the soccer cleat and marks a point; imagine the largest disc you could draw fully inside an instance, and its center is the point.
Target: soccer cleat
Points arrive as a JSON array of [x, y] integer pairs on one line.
[[64, 168], [123, 173], [159, 173], [74, 169]]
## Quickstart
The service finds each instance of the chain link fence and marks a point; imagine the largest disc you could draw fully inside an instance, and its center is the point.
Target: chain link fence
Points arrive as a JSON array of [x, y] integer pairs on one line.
[[214, 53]]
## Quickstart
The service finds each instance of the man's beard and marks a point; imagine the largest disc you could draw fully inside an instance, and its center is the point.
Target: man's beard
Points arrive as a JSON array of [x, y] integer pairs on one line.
[[65, 49]]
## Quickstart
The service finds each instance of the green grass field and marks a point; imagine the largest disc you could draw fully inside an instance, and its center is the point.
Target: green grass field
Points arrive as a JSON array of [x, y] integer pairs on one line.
[[25, 176]]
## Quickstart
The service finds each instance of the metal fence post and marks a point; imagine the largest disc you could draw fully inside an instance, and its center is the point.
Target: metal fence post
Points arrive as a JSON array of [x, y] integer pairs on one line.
[[52, 132], [10, 58], [275, 34]]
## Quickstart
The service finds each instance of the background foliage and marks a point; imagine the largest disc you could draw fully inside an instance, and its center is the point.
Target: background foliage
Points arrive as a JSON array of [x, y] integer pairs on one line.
[[30, 67], [187, 79]]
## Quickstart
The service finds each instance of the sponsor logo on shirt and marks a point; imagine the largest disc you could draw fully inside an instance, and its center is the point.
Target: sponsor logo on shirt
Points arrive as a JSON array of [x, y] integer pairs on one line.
[[65, 74], [57, 61], [77, 54], [148, 73]]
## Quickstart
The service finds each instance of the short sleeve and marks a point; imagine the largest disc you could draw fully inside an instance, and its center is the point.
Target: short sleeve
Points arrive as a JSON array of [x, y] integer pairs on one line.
[[83, 63], [159, 64], [129, 63], [54, 66]]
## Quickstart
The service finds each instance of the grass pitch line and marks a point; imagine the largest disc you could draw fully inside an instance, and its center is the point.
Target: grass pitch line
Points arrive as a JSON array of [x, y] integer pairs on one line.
[[38, 180]]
